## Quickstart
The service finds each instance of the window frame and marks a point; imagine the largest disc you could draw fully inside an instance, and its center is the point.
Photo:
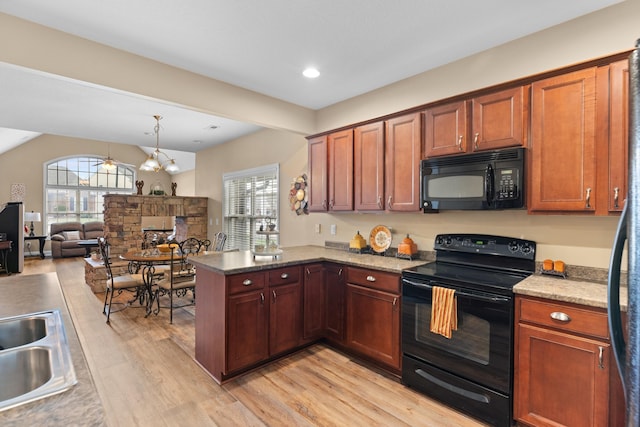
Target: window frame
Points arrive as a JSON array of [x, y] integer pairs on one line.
[[83, 196], [255, 220]]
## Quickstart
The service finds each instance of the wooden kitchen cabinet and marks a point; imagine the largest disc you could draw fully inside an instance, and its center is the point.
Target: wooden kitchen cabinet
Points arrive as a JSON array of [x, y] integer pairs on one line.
[[368, 169], [340, 145], [372, 310], [285, 309], [334, 306], [564, 370], [563, 144], [498, 120], [445, 129], [314, 296], [318, 193], [402, 163], [248, 320], [618, 135]]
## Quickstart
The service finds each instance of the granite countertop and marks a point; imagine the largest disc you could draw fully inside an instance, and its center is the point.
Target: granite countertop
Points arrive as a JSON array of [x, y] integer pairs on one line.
[[79, 405], [243, 261], [593, 294]]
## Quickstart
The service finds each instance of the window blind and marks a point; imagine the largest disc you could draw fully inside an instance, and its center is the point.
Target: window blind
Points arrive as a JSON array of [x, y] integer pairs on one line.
[[250, 202]]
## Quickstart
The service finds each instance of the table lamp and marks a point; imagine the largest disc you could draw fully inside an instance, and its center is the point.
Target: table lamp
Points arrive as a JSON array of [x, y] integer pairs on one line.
[[32, 216]]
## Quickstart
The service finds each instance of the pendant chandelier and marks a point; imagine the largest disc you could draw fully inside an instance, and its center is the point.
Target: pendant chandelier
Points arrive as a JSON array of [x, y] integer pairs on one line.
[[155, 162]]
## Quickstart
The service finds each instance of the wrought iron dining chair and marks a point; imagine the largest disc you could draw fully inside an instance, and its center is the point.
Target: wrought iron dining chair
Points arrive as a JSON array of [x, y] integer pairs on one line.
[[117, 284], [181, 278], [218, 241]]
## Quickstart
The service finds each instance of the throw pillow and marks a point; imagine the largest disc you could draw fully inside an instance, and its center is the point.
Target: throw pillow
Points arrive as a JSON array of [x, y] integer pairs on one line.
[[72, 235]]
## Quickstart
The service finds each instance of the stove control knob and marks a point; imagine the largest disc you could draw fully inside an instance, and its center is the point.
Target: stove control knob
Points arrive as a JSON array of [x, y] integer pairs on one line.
[[448, 241], [526, 248], [439, 240], [513, 246]]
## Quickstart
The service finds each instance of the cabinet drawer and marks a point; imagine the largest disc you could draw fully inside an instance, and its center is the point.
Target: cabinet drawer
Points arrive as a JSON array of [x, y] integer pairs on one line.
[[579, 320], [245, 282], [282, 276], [374, 279]]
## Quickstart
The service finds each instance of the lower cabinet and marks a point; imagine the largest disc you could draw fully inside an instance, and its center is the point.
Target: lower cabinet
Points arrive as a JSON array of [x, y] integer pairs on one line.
[[565, 372], [334, 306], [314, 301], [372, 309], [264, 316]]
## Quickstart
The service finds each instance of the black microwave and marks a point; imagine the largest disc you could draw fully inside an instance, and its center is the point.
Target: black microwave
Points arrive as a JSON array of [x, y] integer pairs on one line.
[[478, 181]]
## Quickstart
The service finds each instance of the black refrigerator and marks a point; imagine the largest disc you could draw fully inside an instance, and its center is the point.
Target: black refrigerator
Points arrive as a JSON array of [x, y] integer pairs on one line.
[[627, 348], [11, 224]]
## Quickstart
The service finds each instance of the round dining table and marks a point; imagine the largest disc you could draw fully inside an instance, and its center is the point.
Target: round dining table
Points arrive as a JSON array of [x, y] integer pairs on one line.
[[146, 260]]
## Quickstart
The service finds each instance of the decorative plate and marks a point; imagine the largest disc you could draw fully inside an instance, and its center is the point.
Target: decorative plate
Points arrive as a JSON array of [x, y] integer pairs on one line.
[[380, 238], [298, 195]]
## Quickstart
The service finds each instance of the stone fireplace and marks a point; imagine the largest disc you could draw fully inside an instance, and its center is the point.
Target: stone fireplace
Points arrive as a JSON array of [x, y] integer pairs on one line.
[[123, 218]]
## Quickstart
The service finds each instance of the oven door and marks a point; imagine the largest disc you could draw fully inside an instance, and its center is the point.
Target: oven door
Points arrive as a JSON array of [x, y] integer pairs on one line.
[[478, 351]]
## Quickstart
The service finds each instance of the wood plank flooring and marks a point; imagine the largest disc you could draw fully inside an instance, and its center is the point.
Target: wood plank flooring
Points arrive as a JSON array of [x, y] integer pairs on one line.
[[145, 374]]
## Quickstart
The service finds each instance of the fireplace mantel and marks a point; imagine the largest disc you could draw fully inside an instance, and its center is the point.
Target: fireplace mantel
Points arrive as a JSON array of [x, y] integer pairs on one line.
[[123, 218]]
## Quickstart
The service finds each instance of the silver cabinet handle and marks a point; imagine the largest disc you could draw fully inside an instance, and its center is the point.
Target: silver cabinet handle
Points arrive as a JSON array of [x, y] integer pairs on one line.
[[380, 202], [459, 143], [562, 317], [600, 357], [284, 276], [247, 282], [371, 279], [475, 141], [324, 204], [389, 202], [588, 198], [261, 298], [340, 272], [274, 295], [616, 194]]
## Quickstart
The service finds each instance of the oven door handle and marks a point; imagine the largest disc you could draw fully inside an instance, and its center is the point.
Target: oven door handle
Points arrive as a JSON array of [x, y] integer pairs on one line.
[[480, 296]]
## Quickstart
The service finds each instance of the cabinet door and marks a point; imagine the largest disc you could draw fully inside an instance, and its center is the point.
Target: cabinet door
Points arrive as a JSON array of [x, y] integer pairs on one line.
[[561, 379], [368, 167], [373, 324], [341, 171], [402, 163], [318, 175], [563, 166], [247, 319], [498, 120], [285, 317], [618, 134], [334, 307], [314, 301], [445, 129]]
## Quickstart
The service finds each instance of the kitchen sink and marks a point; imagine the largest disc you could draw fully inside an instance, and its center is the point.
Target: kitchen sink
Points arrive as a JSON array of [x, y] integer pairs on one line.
[[35, 361], [16, 332]]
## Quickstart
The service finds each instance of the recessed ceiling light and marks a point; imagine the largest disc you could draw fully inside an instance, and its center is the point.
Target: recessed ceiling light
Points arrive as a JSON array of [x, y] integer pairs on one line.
[[311, 73]]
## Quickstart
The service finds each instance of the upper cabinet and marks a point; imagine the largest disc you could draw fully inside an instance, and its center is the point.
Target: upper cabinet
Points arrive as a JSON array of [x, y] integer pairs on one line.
[[318, 186], [402, 156], [563, 144], [618, 135], [498, 120], [331, 172], [368, 168], [579, 141], [445, 129], [341, 170]]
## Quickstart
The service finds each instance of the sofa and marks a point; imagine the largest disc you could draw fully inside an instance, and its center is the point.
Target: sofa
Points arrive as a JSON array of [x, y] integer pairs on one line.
[[66, 235]]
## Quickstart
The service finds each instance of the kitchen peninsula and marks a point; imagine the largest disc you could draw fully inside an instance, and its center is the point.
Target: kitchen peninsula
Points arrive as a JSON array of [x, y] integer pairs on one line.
[[251, 311]]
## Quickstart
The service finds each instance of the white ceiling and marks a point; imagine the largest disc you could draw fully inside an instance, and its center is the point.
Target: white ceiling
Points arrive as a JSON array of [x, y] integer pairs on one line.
[[357, 45]]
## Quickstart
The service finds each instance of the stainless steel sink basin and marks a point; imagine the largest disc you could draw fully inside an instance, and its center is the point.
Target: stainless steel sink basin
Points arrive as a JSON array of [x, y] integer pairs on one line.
[[35, 361], [24, 370], [25, 330]]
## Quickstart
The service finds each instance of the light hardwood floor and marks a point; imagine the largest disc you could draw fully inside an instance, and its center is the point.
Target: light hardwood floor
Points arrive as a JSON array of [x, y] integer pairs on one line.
[[145, 374]]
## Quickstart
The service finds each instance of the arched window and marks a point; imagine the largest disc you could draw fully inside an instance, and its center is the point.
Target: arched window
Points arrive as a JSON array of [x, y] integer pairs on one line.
[[74, 187]]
